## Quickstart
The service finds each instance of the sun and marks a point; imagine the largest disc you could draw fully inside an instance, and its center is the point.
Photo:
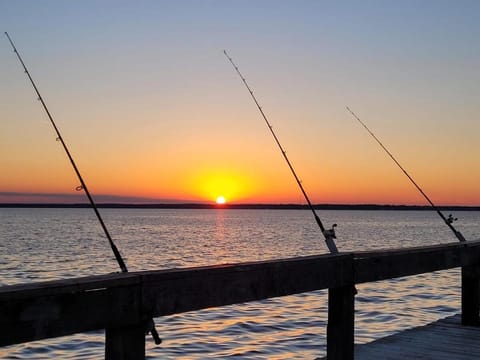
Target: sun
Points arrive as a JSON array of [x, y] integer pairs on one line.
[[221, 200]]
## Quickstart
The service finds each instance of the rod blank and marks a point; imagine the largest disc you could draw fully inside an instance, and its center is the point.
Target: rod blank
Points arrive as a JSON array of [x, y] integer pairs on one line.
[[449, 221], [329, 234], [83, 186]]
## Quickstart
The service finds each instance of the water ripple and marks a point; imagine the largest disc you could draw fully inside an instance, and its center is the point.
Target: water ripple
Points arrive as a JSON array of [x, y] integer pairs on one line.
[[47, 244]]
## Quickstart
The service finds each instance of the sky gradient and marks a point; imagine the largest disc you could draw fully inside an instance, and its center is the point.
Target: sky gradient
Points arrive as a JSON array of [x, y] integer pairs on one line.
[[151, 108]]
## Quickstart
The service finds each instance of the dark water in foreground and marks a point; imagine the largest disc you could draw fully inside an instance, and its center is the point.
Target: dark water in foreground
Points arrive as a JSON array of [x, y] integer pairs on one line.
[[47, 244]]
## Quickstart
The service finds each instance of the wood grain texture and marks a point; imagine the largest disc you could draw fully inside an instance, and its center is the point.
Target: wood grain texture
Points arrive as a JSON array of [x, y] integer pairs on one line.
[[443, 339], [388, 264]]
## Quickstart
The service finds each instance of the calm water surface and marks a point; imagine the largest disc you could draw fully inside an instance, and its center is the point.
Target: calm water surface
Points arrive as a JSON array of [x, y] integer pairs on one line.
[[47, 244]]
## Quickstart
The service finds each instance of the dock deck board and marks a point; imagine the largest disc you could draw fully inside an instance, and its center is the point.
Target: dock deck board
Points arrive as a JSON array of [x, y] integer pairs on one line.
[[442, 339]]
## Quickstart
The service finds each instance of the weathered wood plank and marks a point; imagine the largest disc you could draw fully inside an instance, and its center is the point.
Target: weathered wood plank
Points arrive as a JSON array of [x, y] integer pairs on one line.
[[40, 317], [388, 264], [67, 286], [341, 321], [195, 289], [443, 339], [471, 295]]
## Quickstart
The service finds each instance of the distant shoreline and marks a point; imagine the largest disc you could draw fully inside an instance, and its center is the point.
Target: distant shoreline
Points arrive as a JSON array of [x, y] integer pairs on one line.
[[241, 206]]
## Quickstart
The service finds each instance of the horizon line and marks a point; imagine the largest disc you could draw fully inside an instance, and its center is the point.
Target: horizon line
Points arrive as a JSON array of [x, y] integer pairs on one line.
[[10, 199], [204, 205]]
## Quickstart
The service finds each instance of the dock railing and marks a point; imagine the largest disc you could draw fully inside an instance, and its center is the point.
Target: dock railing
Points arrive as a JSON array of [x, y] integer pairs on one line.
[[123, 303]]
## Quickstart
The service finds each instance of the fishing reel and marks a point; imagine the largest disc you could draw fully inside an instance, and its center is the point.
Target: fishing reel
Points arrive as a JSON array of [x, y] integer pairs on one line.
[[330, 233], [451, 219], [329, 236]]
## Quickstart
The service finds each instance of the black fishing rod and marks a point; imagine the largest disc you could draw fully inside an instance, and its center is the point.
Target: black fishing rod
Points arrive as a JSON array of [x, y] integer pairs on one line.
[[329, 234], [82, 186], [448, 220]]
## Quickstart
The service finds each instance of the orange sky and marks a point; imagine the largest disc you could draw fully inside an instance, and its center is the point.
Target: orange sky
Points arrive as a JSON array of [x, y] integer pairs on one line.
[[151, 108]]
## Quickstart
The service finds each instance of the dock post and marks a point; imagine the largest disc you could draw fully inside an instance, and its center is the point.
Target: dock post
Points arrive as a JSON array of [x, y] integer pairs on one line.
[[125, 343], [340, 328], [471, 295]]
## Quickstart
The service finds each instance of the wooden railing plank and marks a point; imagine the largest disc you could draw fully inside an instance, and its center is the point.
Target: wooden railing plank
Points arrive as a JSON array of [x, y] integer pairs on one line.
[[42, 317], [388, 264], [67, 286], [225, 285]]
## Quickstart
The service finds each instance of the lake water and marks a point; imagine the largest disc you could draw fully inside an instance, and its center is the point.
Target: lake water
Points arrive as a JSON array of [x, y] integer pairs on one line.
[[47, 244]]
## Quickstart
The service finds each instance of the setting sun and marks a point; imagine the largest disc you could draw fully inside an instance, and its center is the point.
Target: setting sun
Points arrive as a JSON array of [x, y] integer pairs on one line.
[[220, 200], [210, 184]]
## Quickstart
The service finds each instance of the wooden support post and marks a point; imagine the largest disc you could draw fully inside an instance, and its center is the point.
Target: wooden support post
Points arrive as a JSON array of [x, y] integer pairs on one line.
[[125, 343], [471, 295], [340, 328]]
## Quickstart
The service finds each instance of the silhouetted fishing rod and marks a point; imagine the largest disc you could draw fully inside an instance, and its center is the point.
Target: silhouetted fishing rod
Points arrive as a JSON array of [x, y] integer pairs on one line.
[[328, 233], [448, 220], [82, 186]]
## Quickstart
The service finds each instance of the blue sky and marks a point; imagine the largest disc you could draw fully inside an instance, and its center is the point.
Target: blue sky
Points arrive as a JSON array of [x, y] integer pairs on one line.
[[131, 81]]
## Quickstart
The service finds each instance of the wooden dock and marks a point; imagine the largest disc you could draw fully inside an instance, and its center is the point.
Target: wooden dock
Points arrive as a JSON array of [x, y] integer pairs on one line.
[[124, 303], [445, 339]]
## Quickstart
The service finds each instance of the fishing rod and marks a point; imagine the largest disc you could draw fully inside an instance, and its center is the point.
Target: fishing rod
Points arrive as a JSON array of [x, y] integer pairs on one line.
[[82, 186], [448, 220], [329, 234]]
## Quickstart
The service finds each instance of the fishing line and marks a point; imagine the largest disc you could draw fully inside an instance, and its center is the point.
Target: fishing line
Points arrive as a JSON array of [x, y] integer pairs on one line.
[[82, 186], [329, 234], [448, 220]]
